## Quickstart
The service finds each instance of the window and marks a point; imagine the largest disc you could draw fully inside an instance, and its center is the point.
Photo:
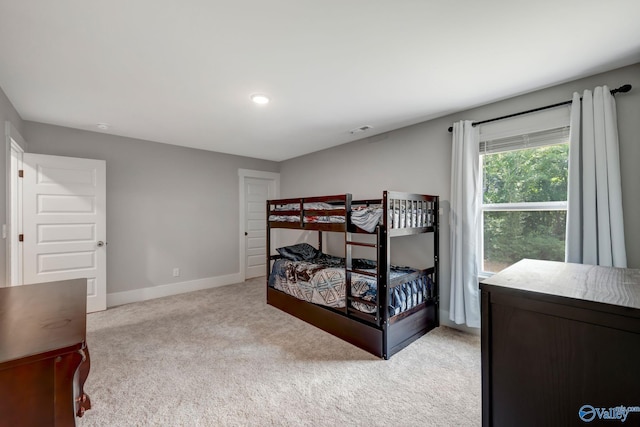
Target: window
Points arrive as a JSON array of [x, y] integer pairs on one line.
[[524, 198]]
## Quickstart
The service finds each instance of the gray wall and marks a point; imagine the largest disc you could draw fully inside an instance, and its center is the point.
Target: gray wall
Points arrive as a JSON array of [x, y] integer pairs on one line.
[[167, 206], [418, 159], [7, 113]]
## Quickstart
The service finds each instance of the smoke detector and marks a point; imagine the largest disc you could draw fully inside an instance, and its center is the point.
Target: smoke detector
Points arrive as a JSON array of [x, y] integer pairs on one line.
[[360, 129]]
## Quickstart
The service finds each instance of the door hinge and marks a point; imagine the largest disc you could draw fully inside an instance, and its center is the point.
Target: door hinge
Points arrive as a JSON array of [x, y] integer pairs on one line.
[[21, 173], [20, 237]]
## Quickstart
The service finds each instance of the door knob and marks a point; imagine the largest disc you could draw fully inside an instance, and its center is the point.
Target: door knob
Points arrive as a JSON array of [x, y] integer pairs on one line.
[[101, 244], [246, 234]]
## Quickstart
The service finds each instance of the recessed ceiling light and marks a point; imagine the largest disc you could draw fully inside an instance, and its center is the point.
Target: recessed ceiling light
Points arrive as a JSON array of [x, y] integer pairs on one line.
[[102, 126], [260, 98]]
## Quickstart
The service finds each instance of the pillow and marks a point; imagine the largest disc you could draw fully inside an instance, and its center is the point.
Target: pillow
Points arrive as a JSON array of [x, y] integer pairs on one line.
[[299, 252]]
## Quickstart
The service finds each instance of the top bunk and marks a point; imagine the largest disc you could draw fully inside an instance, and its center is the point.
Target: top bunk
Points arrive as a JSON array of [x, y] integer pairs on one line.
[[406, 213]]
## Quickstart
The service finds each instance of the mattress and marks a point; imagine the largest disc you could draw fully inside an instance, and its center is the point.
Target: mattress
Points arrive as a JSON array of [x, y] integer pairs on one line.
[[322, 281]]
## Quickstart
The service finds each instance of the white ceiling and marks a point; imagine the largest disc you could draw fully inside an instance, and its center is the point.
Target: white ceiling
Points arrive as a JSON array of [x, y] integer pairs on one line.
[[182, 71]]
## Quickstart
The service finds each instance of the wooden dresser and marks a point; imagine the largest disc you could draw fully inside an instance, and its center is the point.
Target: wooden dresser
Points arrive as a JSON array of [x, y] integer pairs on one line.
[[561, 345], [44, 360]]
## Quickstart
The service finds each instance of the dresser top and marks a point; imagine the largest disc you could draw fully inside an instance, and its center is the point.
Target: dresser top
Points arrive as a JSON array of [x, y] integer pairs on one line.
[[606, 285], [36, 319]]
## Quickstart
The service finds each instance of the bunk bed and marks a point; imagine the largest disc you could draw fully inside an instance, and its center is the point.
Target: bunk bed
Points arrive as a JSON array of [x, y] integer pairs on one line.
[[372, 304]]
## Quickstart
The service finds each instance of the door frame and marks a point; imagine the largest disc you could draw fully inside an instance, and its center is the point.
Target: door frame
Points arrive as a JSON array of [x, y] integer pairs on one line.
[[13, 143], [243, 174]]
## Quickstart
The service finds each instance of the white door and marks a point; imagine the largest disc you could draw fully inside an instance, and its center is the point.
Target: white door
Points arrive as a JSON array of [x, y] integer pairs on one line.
[[64, 223], [257, 191]]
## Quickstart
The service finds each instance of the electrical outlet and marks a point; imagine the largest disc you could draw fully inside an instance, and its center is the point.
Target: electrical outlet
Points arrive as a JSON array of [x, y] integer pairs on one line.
[[176, 272]]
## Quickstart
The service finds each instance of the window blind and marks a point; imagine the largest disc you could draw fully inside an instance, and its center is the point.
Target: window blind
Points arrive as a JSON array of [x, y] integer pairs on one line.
[[529, 140]]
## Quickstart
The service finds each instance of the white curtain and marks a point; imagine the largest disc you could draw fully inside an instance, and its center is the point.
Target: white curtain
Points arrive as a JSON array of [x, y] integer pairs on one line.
[[465, 224], [595, 230]]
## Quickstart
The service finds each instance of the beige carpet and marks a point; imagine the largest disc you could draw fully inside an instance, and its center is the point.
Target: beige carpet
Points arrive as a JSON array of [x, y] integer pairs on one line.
[[222, 357]]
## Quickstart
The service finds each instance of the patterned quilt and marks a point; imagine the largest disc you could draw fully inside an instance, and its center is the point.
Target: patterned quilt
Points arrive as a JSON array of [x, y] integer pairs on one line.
[[322, 281]]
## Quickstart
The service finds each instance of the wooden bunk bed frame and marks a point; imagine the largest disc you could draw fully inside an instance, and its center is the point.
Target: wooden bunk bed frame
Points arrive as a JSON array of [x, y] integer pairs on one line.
[[377, 333]]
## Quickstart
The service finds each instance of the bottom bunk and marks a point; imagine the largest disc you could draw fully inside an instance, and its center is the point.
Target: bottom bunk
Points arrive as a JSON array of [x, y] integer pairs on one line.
[[313, 286], [382, 341], [323, 281]]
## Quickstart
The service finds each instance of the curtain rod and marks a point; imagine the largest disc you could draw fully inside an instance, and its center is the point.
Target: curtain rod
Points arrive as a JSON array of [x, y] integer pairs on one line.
[[622, 89]]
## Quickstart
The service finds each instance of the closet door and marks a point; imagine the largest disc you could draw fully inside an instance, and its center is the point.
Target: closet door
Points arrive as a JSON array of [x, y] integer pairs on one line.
[[64, 223], [256, 196]]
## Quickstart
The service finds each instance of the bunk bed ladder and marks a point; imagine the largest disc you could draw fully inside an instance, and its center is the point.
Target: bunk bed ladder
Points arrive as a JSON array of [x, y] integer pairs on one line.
[[348, 269], [349, 243], [348, 259], [383, 262]]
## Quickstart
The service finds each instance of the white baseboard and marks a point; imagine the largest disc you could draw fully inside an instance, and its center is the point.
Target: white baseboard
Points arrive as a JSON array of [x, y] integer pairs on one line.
[[137, 295]]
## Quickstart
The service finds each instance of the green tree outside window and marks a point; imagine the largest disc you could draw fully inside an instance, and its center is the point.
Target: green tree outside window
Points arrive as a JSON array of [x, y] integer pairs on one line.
[[524, 176]]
